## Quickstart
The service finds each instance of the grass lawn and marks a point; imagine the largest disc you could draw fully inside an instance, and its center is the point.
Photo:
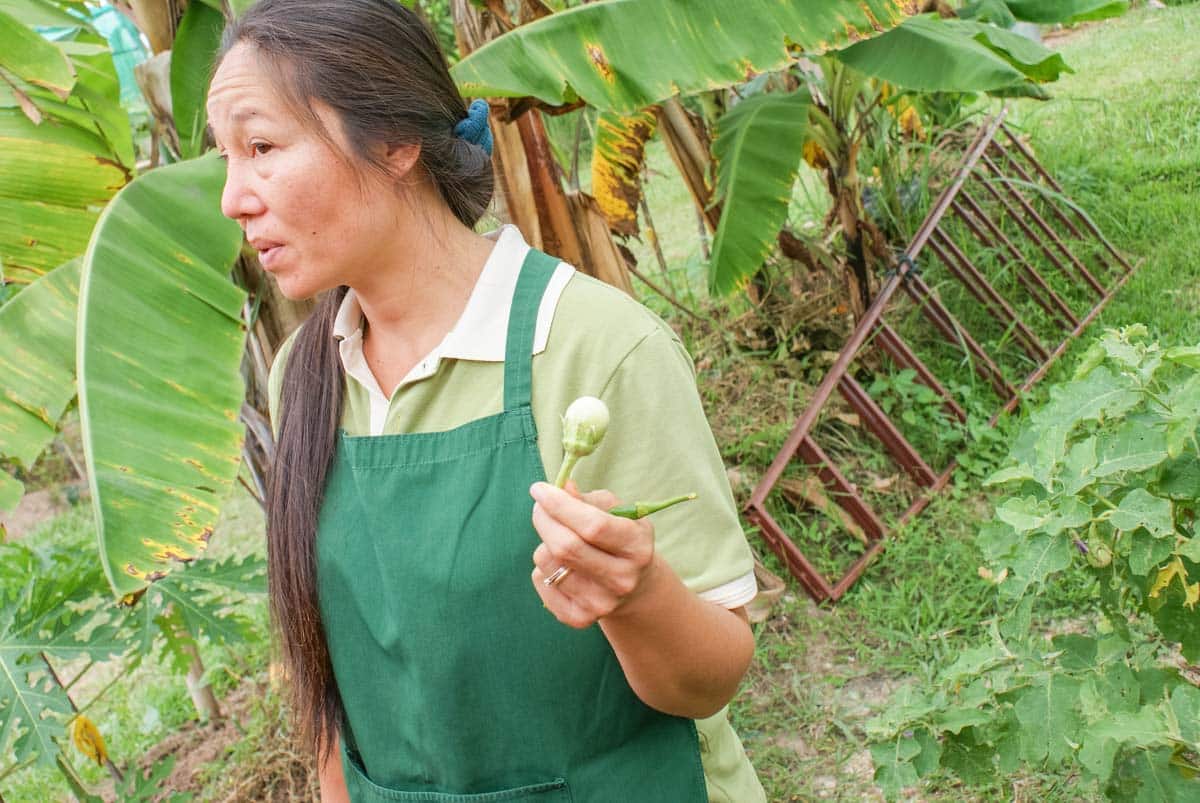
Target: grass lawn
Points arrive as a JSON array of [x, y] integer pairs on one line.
[[1123, 137]]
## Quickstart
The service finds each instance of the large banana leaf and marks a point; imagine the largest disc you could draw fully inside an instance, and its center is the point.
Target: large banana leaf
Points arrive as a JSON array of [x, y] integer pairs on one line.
[[624, 55], [931, 54], [617, 158], [56, 173], [160, 344], [1066, 11], [37, 368], [42, 12], [98, 91], [52, 182], [25, 54], [1033, 59], [757, 147], [192, 55]]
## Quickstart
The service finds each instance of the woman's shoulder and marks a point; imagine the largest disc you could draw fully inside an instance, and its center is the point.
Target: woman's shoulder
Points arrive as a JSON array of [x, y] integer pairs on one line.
[[590, 309], [275, 375]]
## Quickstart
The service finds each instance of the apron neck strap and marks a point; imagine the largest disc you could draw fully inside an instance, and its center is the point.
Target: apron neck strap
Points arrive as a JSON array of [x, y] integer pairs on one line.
[[522, 321]]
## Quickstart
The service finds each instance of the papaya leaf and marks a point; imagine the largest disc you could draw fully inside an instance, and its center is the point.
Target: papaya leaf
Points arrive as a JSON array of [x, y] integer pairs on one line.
[[757, 148], [60, 610]]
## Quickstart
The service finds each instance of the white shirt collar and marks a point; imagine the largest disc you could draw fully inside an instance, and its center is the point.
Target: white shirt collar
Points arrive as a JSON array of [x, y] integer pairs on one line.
[[480, 331]]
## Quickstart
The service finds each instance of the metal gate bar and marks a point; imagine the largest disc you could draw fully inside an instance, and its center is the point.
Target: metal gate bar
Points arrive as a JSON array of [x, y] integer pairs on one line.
[[874, 334]]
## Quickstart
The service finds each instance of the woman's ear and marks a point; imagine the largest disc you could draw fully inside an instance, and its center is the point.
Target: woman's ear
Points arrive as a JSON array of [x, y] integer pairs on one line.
[[402, 158]]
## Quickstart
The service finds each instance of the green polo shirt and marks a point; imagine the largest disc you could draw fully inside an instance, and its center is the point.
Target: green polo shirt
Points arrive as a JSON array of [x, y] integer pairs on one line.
[[603, 343]]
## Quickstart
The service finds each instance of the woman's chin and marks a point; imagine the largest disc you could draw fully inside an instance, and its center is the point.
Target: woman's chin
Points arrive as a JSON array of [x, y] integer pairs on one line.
[[293, 290]]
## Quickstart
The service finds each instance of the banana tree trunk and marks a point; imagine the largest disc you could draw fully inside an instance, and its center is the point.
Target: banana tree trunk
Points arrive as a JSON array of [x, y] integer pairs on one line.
[[530, 184], [689, 143], [157, 19]]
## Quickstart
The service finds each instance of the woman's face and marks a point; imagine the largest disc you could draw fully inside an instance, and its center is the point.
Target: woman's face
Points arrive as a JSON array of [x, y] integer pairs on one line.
[[314, 220]]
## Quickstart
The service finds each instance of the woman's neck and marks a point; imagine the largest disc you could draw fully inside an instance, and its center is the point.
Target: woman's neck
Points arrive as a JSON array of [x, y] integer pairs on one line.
[[419, 291]]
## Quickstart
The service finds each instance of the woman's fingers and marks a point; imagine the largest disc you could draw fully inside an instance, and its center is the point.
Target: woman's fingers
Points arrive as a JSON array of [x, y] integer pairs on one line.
[[576, 600], [588, 517], [565, 547]]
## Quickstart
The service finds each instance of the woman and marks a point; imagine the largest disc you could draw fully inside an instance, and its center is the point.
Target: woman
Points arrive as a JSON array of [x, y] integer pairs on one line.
[[415, 549]]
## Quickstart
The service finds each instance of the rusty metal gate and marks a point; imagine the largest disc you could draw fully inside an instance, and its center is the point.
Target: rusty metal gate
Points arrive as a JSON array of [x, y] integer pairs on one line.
[[1038, 273]]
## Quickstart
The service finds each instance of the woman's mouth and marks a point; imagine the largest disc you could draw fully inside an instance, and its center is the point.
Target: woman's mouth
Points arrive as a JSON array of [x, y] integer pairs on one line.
[[268, 252]]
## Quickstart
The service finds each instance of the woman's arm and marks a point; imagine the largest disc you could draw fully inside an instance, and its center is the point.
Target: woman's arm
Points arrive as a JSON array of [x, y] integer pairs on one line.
[[681, 655], [333, 783]]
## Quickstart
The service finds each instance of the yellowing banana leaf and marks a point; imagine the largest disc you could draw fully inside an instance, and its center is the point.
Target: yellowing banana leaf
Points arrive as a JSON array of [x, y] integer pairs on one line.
[[51, 188], [1066, 11], [617, 159], [34, 238], [159, 350], [931, 54], [624, 55], [27, 55], [758, 148], [56, 173], [192, 55], [37, 368]]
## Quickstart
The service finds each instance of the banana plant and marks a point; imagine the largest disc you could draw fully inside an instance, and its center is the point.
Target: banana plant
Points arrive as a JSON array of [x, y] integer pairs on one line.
[[605, 54]]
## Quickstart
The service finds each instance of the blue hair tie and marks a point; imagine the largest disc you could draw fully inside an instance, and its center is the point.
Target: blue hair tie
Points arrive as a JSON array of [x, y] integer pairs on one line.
[[474, 127]]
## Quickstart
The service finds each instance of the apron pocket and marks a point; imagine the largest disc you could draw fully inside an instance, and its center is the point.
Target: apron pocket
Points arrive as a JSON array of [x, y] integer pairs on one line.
[[363, 790]]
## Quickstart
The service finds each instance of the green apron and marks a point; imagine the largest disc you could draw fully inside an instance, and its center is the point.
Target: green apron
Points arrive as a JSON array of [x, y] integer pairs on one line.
[[457, 684]]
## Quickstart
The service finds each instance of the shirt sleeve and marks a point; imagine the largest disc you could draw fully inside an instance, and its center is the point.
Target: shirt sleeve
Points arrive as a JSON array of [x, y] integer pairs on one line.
[[659, 445]]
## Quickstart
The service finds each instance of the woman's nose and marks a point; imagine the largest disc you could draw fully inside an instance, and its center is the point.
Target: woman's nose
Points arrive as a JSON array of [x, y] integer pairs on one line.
[[240, 198]]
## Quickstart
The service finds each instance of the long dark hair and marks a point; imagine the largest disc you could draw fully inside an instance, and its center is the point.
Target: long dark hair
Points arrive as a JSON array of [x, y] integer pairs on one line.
[[379, 68]]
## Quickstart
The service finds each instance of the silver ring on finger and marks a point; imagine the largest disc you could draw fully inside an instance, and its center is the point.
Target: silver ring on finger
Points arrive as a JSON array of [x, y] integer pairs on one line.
[[556, 577]]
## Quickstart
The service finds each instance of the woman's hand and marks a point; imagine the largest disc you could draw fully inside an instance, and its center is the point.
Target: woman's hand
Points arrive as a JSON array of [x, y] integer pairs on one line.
[[610, 559]]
